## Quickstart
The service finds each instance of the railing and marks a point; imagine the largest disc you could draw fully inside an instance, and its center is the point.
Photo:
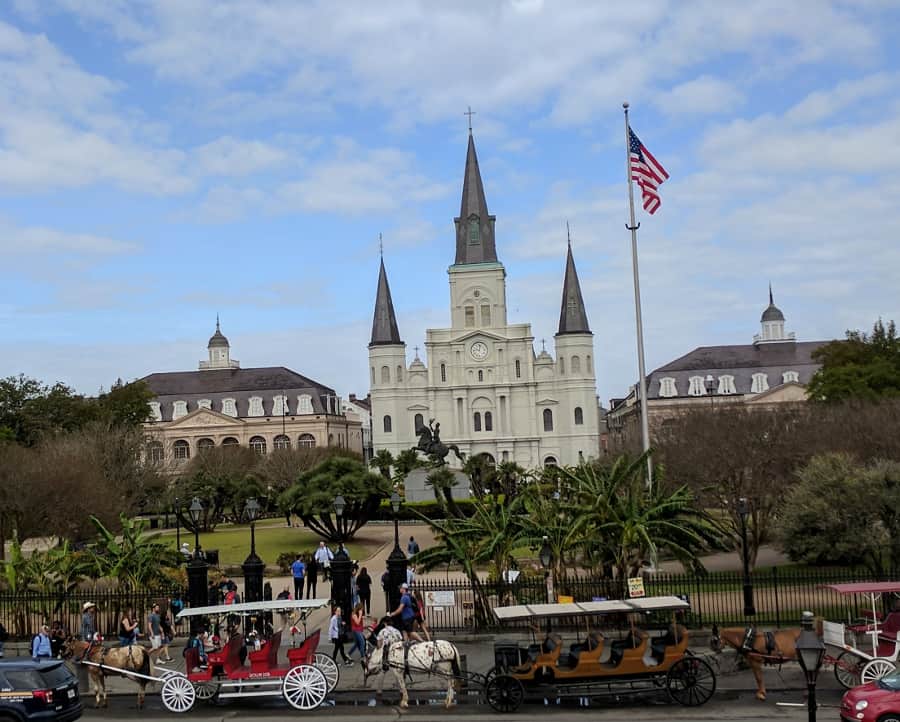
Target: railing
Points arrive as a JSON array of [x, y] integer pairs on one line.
[[24, 612], [779, 595]]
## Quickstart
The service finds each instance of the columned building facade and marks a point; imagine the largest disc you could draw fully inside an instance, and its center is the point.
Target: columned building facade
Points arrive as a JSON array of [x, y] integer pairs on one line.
[[483, 382]]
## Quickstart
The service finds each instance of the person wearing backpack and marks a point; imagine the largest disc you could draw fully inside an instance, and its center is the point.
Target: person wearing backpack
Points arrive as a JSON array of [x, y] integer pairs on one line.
[[40, 644]]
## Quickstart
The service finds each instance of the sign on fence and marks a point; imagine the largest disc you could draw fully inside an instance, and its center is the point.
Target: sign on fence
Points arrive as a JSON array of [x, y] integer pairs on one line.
[[440, 599], [635, 587]]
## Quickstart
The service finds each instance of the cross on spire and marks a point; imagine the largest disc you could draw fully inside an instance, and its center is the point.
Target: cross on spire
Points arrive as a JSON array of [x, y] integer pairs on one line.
[[543, 345], [470, 113], [416, 349], [568, 234], [380, 246]]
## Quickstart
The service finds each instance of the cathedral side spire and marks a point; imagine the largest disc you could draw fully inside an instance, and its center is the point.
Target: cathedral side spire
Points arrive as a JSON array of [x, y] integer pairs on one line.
[[384, 322], [474, 226], [572, 315]]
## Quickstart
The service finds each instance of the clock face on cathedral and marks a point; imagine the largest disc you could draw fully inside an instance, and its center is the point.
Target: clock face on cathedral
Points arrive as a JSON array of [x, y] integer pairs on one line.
[[479, 351]]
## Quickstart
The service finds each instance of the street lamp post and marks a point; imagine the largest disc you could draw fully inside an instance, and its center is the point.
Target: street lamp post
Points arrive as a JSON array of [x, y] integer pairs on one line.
[[197, 567], [810, 654], [743, 510], [340, 565], [396, 562], [178, 523], [710, 384], [546, 556], [253, 567]]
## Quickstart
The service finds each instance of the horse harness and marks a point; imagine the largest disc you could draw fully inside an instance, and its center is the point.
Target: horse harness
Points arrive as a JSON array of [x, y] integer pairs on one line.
[[772, 655]]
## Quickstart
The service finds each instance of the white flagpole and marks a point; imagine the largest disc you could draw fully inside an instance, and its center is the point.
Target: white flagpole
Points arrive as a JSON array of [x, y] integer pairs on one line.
[[642, 374]]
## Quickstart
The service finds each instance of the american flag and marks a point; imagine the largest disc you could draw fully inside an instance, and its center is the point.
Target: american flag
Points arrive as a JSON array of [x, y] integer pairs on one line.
[[647, 171]]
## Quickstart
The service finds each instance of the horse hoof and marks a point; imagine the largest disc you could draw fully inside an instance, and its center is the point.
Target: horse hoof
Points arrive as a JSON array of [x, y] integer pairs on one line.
[[761, 696], [404, 705]]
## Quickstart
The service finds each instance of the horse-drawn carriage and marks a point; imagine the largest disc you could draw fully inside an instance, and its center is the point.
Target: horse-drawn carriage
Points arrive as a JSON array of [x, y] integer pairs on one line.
[[637, 662]]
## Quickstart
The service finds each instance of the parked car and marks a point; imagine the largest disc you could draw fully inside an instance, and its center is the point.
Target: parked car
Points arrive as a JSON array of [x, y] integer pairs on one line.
[[877, 701], [38, 689]]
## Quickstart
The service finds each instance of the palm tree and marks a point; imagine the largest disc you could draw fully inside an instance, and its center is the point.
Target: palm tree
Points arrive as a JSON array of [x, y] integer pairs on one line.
[[383, 461], [624, 524], [442, 480], [131, 556]]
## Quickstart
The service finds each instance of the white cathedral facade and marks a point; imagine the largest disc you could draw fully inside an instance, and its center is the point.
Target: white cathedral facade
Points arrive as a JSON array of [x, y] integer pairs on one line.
[[484, 384]]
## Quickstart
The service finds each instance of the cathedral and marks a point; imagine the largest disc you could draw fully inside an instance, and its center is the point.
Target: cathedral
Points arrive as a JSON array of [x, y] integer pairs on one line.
[[483, 383]]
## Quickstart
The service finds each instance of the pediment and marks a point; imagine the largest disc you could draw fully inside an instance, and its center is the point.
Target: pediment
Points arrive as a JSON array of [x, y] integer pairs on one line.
[[205, 417], [417, 407], [479, 333], [547, 402], [792, 391]]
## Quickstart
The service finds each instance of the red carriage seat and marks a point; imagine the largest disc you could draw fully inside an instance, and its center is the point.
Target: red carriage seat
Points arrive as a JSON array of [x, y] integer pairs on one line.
[[887, 635], [306, 652], [266, 658]]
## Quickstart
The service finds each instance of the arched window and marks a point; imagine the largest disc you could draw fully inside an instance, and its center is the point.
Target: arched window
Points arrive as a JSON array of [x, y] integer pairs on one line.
[[562, 366], [399, 374], [474, 231], [518, 369], [387, 424], [229, 441], [576, 365], [331, 439], [587, 360], [476, 420], [204, 444], [373, 375], [181, 450], [281, 442], [579, 416], [548, 420], [443, 373], [550, 461], [418, 423], [385, 374], [480, 375], [306, 441], [155, 452], [505, 456], [258, 444], [488, 421]]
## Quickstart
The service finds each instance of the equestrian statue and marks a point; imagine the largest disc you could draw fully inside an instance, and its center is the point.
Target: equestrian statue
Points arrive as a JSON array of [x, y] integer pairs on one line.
[[430, 444]]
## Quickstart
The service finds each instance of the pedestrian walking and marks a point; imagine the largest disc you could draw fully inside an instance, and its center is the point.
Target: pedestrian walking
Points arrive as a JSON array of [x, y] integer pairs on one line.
[[128, 628], [406, 614], [364, 587], [298, 570], [324, 556], [412, 547], [155, 633], [336, 635], [57, 639], [168, 635], [357, 628], [312, 577], [420, 623], [354, 591]]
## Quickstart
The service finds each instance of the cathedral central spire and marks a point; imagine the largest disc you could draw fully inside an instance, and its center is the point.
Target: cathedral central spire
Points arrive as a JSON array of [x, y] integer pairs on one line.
[[475, 226]]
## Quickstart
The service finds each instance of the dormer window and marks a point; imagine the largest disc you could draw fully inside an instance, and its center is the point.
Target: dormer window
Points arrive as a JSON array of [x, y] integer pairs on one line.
[[759, 384], [204, 404], [280, 406], [697, 387], [179, 409], [726, 385], [229, 407], [474, 231], [155, 411], [256, 406], [789, 377], [304, 404], [667, 388]]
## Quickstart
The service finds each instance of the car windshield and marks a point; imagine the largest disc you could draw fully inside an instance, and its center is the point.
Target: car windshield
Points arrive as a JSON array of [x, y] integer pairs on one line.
[[892, 681]]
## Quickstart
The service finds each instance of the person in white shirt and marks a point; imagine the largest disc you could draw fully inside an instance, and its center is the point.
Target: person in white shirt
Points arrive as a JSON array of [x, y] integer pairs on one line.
[[324, 556]]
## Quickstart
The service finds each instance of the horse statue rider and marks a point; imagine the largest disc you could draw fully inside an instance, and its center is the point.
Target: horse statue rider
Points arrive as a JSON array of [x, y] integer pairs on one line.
[[430, 443]]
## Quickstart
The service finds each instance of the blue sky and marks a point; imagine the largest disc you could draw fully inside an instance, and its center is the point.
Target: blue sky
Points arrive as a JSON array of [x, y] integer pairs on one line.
[[164, 161]]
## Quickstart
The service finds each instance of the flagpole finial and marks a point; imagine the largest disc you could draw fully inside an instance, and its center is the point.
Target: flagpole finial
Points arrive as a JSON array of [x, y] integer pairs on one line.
[[625, 105]]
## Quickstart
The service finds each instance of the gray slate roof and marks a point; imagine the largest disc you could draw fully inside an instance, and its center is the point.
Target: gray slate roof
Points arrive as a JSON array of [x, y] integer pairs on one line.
[[238, 384], [740, 361], [474, 203], [384, 322], [572, 314]]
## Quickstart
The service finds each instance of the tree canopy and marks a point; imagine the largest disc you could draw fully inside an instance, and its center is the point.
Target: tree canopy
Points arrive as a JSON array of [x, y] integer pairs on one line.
[[862, 367]]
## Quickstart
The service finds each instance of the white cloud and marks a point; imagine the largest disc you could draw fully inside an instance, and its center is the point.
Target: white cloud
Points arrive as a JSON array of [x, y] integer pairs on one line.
[[229, 156], [18, 241], [703, 95]]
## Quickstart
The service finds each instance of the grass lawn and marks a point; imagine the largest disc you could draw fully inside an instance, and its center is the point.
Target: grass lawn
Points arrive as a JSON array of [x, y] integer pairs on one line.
[[233, 542]]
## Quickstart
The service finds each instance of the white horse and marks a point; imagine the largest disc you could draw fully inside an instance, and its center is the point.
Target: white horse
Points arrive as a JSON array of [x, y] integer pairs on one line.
[[439, 658]]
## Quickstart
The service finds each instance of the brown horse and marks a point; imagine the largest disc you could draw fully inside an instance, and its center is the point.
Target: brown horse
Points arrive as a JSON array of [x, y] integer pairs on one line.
[[113, 660], [762, 648]]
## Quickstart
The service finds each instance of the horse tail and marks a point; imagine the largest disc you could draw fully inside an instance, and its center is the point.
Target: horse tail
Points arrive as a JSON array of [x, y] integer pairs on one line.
[[455, 663], [145, 666]]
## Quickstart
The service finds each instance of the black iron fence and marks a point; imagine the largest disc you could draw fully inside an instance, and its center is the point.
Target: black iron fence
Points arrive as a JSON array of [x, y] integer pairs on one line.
[[780, 597], [23, 613]]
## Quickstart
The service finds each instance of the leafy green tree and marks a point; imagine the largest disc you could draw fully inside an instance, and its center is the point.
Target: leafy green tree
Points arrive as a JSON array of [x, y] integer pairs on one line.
[[312, 497], [629, 524], [442, 480], [130, 555], [125, 404], [862, 367], [383, 461], [844, 512]]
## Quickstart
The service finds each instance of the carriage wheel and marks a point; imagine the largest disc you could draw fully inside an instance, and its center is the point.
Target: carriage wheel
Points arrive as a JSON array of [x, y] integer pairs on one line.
[[504, 693], [304, 687], [876, 669], [206, 691], [847, 669], [327, 666], [178, 694], [691, 681]]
